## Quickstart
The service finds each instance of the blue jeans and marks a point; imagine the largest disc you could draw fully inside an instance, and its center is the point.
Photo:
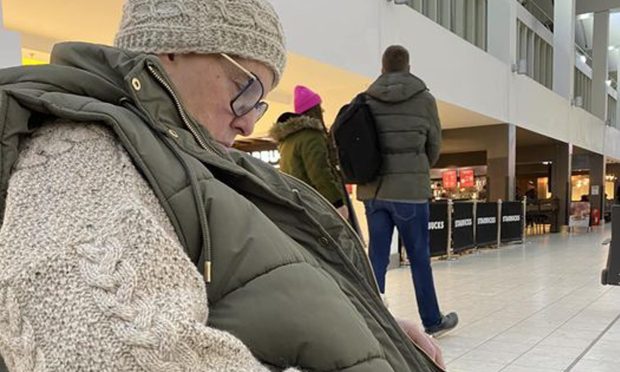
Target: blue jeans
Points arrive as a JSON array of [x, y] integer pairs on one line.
[[411, 220]]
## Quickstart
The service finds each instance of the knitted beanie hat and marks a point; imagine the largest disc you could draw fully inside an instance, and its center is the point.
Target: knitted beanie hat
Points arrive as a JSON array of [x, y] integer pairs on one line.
[[305, 99], [248, 29]]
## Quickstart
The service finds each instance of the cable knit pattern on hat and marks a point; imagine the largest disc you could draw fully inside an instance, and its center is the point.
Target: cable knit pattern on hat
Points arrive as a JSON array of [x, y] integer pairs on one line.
[[246, 28], [93, 276]]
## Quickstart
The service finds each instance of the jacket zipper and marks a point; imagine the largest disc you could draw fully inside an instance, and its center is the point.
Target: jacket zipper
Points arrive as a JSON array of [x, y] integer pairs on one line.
[[180, 109], [346, 223], [366, 262], [208, 268], [367, 266]]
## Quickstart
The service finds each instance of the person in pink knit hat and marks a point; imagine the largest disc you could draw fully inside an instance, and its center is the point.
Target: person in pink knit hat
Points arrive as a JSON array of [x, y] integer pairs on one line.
[[304, 148], [305, 100]]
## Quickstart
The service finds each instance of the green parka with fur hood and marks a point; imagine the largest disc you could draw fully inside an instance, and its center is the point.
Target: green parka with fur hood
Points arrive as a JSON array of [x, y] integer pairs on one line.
[[304, 154]]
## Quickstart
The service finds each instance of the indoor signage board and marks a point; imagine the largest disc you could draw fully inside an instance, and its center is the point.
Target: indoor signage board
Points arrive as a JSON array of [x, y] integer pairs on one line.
[[449, 179], [467, 178]]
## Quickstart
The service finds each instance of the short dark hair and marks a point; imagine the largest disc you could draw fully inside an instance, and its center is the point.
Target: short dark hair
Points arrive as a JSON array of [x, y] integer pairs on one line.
[[395, 59], [286, 117]]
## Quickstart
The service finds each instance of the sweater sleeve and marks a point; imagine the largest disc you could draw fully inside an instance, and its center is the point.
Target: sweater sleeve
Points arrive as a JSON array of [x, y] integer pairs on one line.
[[94, 277], [315, 157]]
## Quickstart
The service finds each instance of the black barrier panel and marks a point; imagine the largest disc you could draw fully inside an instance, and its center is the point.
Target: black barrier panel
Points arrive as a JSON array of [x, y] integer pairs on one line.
[[463, 227], [486, 224], [512, 222], [438, 228], [611, 272]]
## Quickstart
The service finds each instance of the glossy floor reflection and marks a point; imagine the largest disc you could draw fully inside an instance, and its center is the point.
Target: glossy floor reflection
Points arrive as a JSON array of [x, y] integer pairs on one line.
[[535, 307]]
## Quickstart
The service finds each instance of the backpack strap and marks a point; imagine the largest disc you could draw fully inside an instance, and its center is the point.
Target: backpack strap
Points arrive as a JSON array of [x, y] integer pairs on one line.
[[363, 97]]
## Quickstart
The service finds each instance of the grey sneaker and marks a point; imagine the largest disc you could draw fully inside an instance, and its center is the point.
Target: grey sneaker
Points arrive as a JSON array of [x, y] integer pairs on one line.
[[448, 323]]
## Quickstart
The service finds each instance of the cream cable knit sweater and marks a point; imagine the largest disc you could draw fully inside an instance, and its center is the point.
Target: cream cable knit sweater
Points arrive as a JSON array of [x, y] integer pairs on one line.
[[93, 276]]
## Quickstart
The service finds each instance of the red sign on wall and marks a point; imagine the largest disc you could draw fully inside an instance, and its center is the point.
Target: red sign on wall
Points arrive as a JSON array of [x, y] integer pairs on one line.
[[449, 179], [467, 178]]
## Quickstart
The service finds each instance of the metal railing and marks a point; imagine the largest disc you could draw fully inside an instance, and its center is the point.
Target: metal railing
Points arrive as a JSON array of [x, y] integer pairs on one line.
[[466, 18], [583, 87], [612, 111], [584, 53], [583, 90], [536, 54]]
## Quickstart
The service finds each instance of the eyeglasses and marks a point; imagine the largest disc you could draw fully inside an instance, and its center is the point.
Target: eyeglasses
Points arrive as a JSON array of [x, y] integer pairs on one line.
[[250, 95]]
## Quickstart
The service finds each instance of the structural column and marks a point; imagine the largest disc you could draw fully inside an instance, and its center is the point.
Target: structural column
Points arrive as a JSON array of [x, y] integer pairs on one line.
[[564, 48], [600, 73], [617, 52], [10, 46], [597, 182], [561, 172], [501, 162], [600, 68]]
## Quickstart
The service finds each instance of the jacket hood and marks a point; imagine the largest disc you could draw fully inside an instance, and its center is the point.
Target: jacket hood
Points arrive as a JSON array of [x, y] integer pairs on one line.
[[109, 75], [396, 87], [280, 131]]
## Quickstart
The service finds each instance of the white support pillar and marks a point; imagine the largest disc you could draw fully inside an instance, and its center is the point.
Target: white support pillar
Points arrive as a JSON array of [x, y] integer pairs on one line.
[[617, 51], [564, 48], [10, 46], [600, 68], [501, 162], [502, 30]]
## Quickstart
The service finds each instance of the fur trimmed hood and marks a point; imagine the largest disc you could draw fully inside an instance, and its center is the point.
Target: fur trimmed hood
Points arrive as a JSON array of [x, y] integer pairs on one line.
[[280, 131]]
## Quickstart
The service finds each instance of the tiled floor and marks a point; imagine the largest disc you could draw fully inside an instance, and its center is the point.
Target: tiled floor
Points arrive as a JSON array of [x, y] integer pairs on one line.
[[536, 307]]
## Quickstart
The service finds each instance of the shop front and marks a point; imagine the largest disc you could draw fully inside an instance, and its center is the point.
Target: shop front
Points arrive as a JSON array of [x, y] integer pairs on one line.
[[459, 184]]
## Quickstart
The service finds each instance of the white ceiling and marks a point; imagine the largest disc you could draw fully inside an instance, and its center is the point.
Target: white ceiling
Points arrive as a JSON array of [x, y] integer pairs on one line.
[[589, 6]]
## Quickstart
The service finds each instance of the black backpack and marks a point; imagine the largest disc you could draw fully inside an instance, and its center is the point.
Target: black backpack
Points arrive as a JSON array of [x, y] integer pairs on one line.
[[355, 135]]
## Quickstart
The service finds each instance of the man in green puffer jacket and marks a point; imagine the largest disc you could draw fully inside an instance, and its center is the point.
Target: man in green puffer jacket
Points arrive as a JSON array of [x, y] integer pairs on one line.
[[133, 238], [410, 142]]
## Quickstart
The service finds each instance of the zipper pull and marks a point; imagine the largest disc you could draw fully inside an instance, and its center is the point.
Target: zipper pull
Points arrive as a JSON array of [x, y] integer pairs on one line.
[[207, 272]]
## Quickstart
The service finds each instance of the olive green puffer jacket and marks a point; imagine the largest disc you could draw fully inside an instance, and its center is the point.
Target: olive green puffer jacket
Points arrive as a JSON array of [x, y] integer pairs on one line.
[[304, 154], [409, 136]]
